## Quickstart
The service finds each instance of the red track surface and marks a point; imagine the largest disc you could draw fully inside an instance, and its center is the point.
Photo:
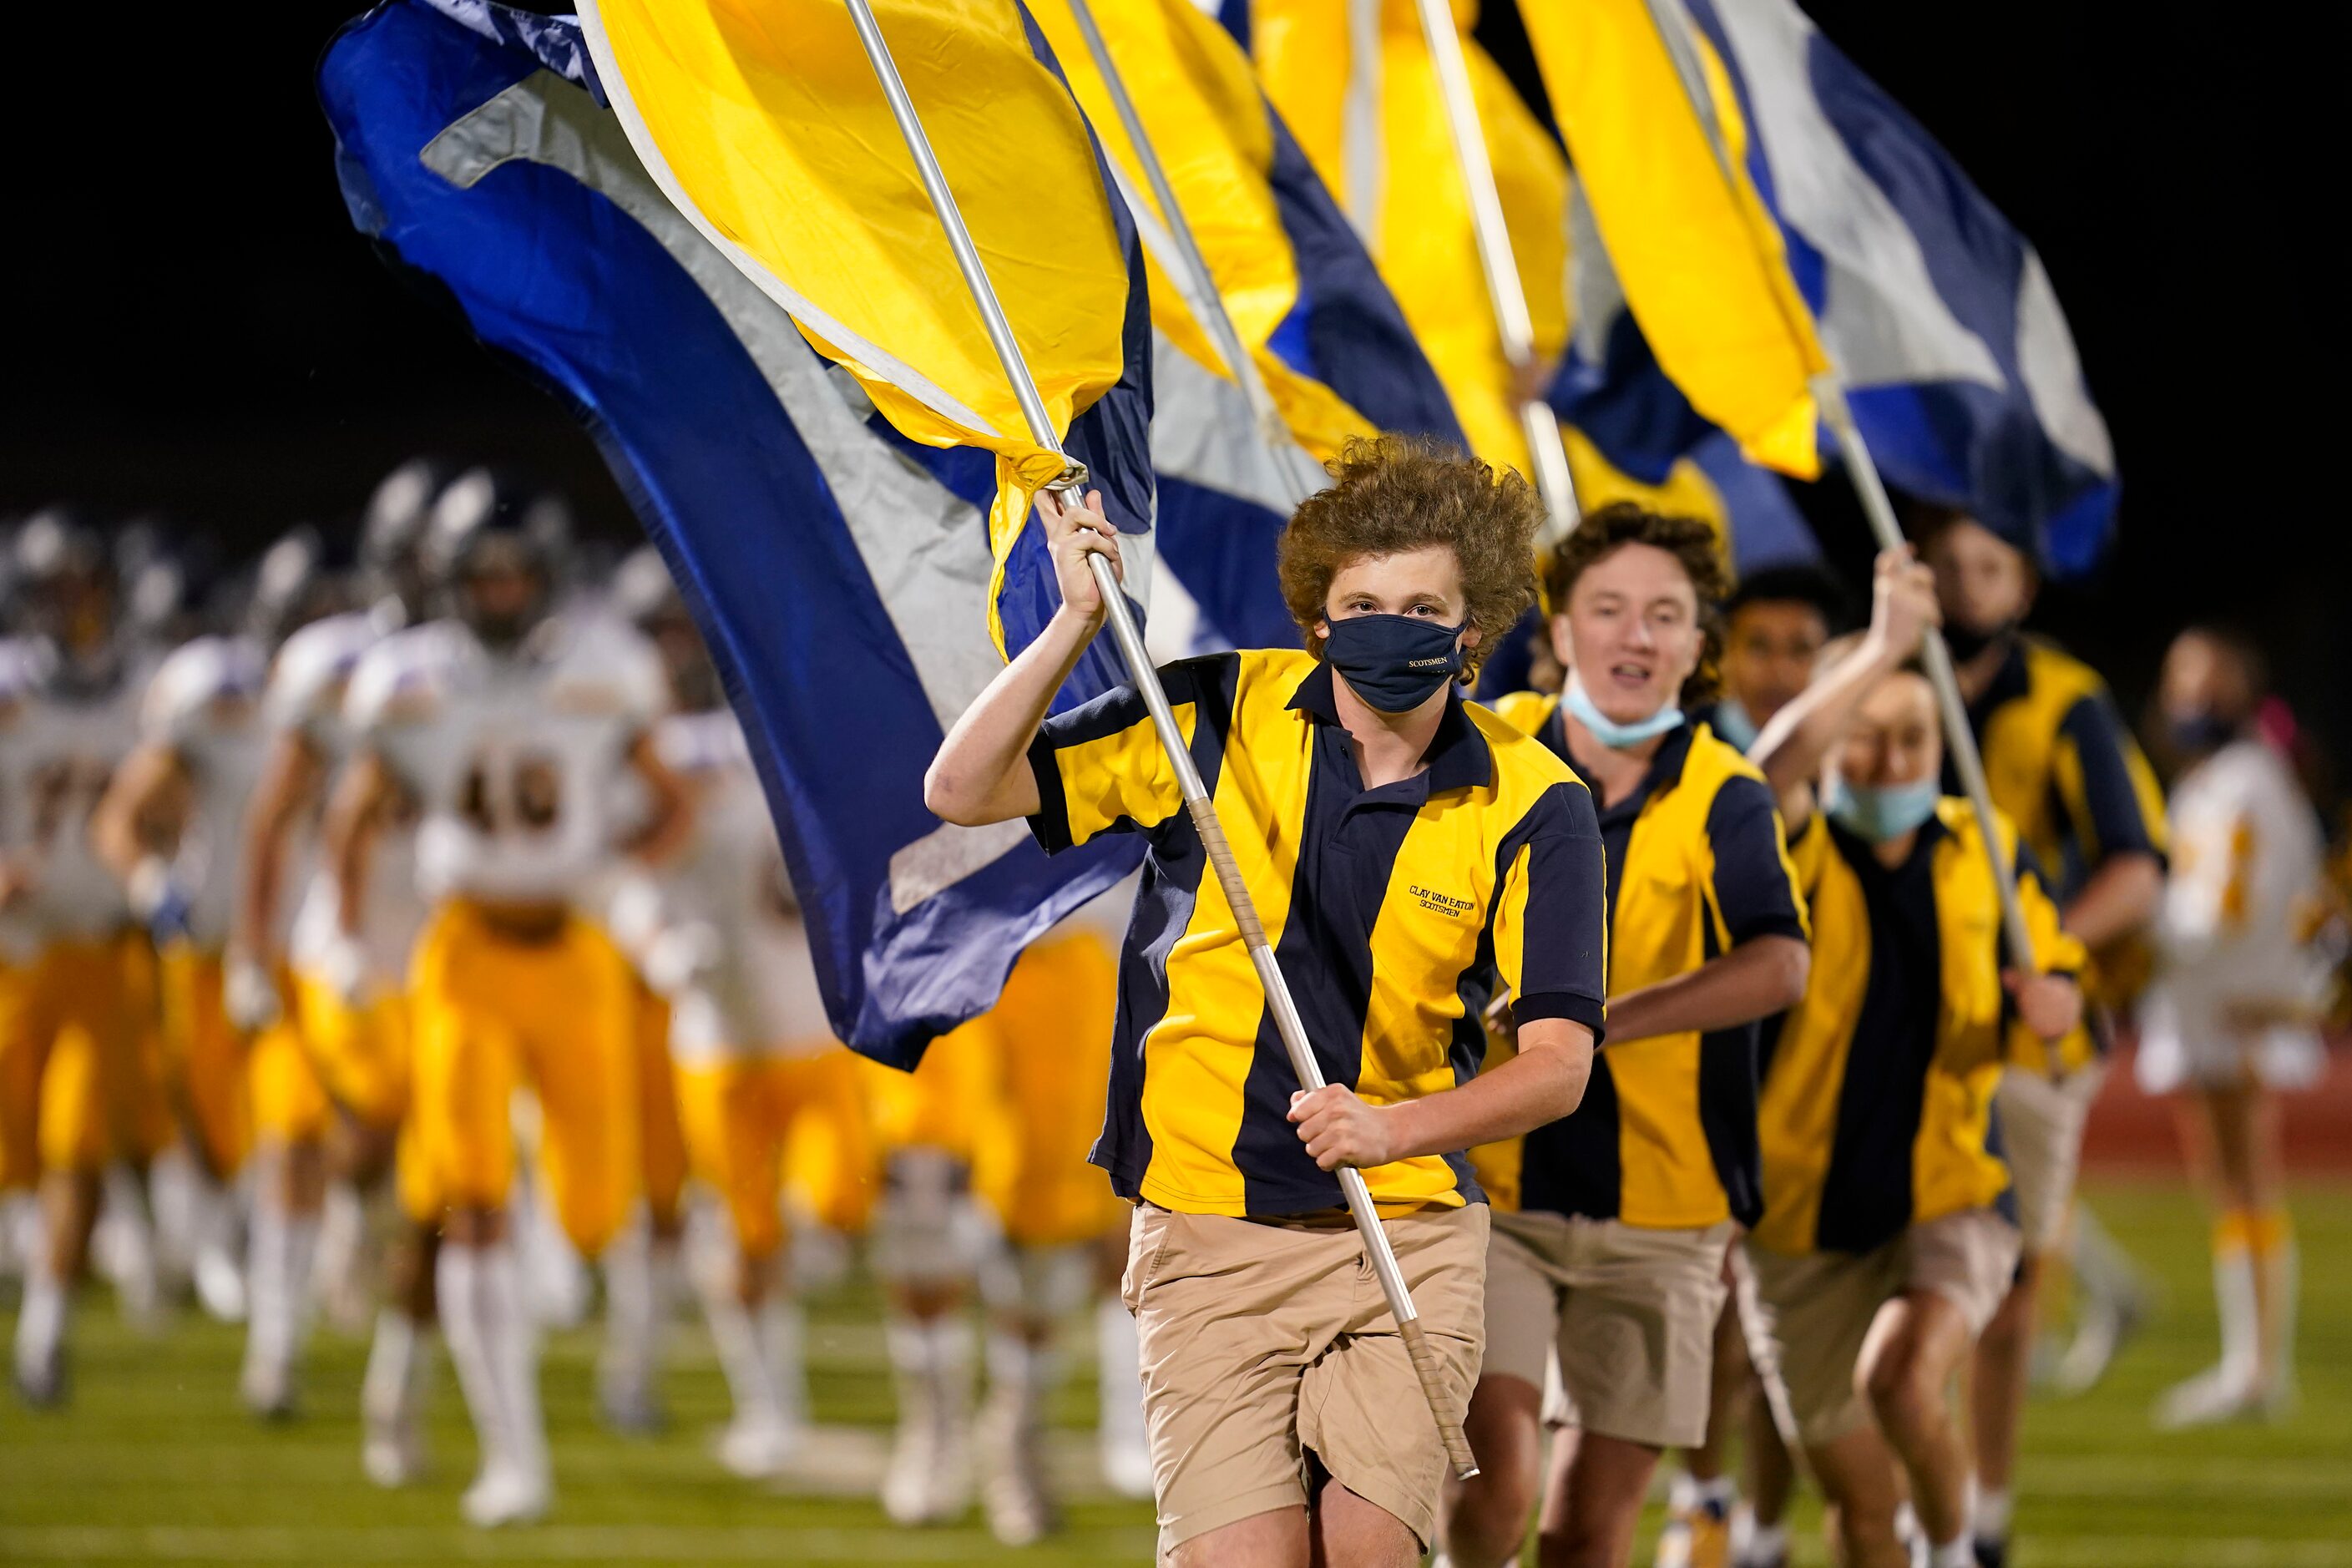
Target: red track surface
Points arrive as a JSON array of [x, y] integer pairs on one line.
[[2129, 1131]]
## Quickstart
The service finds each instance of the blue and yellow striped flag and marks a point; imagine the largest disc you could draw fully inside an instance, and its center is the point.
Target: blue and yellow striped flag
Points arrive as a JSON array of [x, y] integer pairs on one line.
[[1698, 256], [764, 124]]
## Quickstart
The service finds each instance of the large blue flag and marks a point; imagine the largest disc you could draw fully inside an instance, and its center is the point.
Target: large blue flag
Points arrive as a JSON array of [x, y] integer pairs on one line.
[[1963, 374], [841, 587]]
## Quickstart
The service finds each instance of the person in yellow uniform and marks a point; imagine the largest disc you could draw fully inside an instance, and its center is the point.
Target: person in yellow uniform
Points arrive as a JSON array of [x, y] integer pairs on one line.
[[1613, 1261], [172, 824], [75, 1093], [1774, 626], [2063, 767], [760, 1078], [929, 1235], [505, 725], [1400, 845], [1889, 1232], [343, 991], [1049, 1047]]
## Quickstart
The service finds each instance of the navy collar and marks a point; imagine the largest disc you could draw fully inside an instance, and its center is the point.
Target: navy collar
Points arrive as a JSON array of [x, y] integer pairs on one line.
[[1458, 756], [1665, 771]]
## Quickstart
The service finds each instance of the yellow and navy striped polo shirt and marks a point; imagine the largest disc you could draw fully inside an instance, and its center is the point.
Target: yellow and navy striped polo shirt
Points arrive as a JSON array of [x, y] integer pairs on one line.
[[1698, 864], [2063, 767], [1876, 1112], [1390, 911]]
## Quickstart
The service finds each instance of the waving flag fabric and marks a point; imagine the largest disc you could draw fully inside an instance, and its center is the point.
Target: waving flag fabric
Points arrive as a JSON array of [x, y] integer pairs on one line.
[[841, 586], [766, 126], [1633, 436], [1962, 373], [1692, 242], [1354, 80]]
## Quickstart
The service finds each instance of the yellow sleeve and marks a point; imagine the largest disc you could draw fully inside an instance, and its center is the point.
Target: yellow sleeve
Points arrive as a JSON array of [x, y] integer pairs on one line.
[[1100, 767]]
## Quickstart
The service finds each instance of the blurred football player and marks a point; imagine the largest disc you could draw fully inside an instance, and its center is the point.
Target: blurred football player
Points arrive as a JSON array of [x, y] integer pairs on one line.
[[346, 991], [2231, 1019], [1774, 624], [2062, 767], [760, 1080], [75, 1093], [1889, 1235], [503, 726]]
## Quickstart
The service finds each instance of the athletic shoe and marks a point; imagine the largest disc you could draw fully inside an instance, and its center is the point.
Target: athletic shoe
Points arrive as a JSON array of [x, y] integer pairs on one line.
[[220, 1285], [2219, 1396], [2106, 1324], [392, 1453], [503, 1496], [1993, 1552], [756, 1450], [268, 1391], [41, 1379], [930, 1478], [1014, 1494]]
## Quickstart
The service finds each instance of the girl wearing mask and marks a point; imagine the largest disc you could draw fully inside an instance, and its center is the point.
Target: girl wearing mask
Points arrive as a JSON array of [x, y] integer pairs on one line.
[[1889, 1232]]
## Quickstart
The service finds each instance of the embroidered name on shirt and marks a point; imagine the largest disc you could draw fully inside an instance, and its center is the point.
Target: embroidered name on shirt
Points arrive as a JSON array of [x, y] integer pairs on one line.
[[1451, 908]]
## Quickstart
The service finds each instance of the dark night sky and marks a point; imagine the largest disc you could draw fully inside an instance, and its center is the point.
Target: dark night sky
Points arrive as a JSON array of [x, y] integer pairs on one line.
[[192, 325]]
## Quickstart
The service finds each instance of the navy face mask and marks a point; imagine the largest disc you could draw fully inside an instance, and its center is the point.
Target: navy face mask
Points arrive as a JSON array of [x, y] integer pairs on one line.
[[1395, 662]]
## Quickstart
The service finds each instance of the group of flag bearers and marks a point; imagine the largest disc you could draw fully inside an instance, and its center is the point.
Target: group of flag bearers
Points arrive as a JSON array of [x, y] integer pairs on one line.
[[1724, 1014]]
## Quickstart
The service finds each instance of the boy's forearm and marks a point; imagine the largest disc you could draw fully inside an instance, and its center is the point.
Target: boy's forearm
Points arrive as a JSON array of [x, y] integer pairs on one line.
[[1760, 977], [1541, 1084], [977, 776]]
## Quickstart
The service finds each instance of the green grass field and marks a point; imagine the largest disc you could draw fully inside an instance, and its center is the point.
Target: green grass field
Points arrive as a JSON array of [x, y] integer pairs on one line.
[[155, 1462]]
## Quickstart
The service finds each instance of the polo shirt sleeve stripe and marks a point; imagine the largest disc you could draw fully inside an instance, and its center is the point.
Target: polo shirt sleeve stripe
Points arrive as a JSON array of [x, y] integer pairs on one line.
[[2110, 791], [1754, 881], [1100, 767], [1551, 952]]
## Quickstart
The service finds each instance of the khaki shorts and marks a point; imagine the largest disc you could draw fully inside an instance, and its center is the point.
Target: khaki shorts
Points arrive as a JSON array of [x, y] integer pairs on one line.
[[2042, 1139], [1632, 1313], [1263, 1341], [1817, 1310]]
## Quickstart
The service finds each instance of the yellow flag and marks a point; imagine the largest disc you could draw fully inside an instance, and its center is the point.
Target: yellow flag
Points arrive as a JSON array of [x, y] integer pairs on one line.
[[1703, 266], [1207, 121], [764, 124], [1354, 81]]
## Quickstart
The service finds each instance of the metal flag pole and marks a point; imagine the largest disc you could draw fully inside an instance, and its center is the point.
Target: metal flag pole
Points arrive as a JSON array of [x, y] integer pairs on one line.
[[1546, 448], [1829, 389], [1207, 300], [1139, 668]]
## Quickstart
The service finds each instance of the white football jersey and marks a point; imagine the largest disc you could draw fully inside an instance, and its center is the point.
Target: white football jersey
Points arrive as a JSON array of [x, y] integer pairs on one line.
[[310, 682], [203, 702], [2235, 923], [754, 987], [510, 755], [58, 749]]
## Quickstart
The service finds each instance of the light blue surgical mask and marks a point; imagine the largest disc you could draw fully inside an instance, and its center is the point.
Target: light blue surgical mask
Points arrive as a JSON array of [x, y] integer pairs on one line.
[[1608, 730], [1882, 812], [1732, 725]]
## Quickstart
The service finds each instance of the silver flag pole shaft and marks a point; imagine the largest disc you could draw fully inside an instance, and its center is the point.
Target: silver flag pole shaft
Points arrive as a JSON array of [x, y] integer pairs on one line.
[[1207, 299], [1513, 324], [1829, 389], [1140, 670]]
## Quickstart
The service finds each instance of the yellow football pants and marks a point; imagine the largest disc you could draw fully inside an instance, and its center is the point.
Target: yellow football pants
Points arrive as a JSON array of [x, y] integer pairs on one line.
[[491, 1013], [756, 1125], [76, 1091]]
